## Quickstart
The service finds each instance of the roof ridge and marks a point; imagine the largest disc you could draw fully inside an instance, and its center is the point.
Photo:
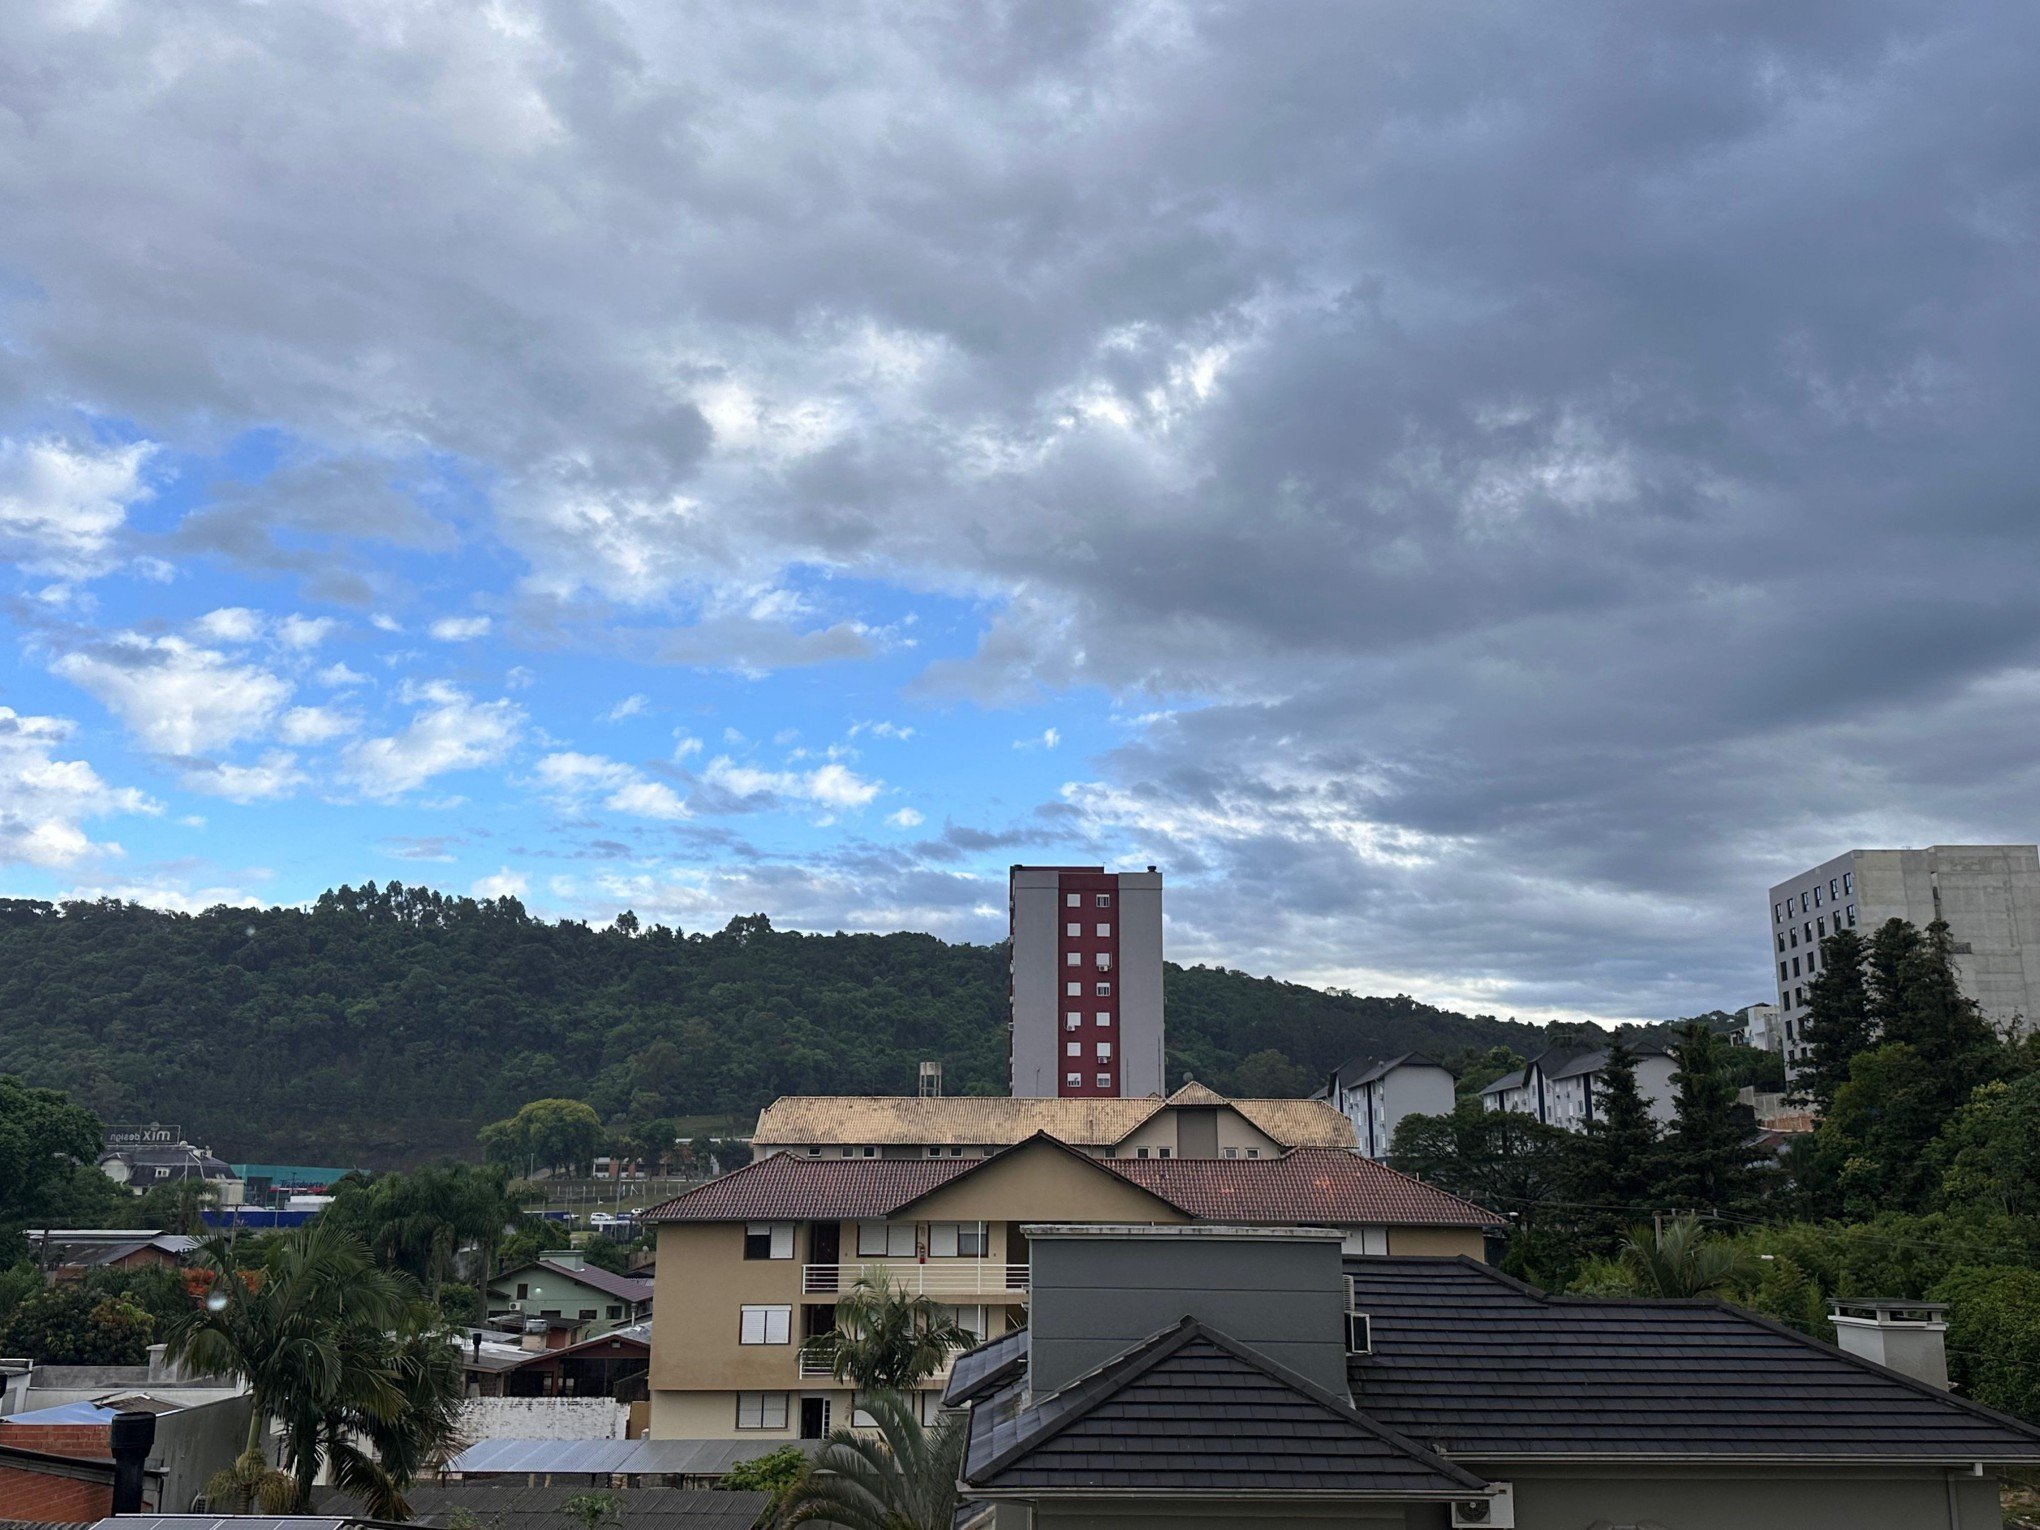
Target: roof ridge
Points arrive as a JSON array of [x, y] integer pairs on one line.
[[1026, 1142]]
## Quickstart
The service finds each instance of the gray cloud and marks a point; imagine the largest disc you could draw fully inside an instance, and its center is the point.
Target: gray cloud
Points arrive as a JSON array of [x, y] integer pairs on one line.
[[1559, 469]]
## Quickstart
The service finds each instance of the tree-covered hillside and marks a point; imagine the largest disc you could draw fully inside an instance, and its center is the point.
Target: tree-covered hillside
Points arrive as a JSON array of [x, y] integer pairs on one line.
[[384, 1025]]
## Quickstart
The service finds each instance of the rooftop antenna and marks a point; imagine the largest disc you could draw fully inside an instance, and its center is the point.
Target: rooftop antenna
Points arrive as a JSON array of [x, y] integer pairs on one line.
[[931, 1081]]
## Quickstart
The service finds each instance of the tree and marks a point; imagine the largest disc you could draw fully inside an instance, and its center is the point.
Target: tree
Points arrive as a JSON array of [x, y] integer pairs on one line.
[[1617, 1167], [778, 1473], [1268, 1075], [1683, 1259], [1497, 1158], [178, 1206], [420, 1222], [903, 1479], [1994, 1335], [44, 1136], [555, 1133], [1837, 1024], [71, 1325], [336, 1351], [1709, 1156], [1989, 1152], [886, 1339]]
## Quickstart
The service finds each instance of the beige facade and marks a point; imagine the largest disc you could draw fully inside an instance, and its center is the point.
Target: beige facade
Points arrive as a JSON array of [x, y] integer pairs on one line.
[[1448, 1241]]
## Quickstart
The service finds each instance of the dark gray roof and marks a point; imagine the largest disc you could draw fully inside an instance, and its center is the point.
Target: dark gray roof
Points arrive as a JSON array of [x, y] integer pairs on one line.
[[1188, 1413], [593, 1276], [1506, 1081], [982, 1371], [690, 1458], [1485, 1368], [1360, 1070], [514, 1506]]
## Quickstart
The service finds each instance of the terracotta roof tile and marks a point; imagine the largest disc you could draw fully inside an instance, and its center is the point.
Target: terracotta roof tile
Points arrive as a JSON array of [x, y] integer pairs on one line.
[[1302, 1187], [783, 1188], [994, 1121]]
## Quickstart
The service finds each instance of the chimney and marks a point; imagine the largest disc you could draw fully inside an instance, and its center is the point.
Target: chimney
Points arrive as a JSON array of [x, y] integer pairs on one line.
[[566, 1258], [1907, 1337], [130, 1436]]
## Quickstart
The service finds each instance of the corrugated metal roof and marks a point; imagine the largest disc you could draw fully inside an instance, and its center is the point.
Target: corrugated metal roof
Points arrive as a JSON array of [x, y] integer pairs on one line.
[[693, 1458]]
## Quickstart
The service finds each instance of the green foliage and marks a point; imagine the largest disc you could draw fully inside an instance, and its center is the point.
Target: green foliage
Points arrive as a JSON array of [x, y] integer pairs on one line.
[[1837, 1022], [551, 1134], [1496, 1158], [178, 1207], [1707, 1154], [902, 1478], [1989, 1152], [461, 1305], [386, 1024], [1268, 1075], [44, 1137], [886, 1339], [1683, 1258], [1617, 1163], [422, 1222], [778, 1474], [1476, 1068], [73, 1325], [607, 1254], [594, 1510], [1994, 1335]]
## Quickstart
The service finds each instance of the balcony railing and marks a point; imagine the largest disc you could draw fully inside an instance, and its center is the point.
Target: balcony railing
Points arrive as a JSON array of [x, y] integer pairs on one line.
[[935, 1277], [812, 1367]]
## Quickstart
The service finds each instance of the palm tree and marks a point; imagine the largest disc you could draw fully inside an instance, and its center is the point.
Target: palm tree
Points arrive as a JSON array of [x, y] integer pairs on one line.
[[1682, 1259], [902, 1479], [249, 1482], [330, 1346], [886, 1340]]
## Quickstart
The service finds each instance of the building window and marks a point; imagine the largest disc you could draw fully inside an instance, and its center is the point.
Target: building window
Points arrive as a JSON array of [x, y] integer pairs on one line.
[[1104, 932], [523, 1291], [1781, 972], [1104, 900], [1140, 1152], [885, 1240], [1777, 913], [1104, 961], [761, 1410], [1104, 990], [871, 1152], [1795, 937], [1799, 997], [1073, 929], [587, 1314], [1072, 1019], [615, 1311], [1253, 1152], [1781, 942], [814, 1152], [1075, 990], [1073, 1080], [1104, 1051], [1795, 966], [1073, 1049], [1074, 900], [1104, 1081], [1834, 888], [1359, 1335], [765, 1325], [1161, 1152], [1852, 916], [1104, 1017], [1808, 929], [1816, 897], [957, 1240], [1820, 925], [1073, 958], [1848, 882], [1232, 1152]]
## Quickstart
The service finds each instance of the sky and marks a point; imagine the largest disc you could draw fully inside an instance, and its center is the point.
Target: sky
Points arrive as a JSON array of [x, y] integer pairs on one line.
[[1475, 493]]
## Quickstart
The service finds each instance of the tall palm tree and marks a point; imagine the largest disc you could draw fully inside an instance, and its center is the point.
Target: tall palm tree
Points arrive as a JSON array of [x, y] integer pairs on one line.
[[887, 1340], [904, 1478], [330, 1346], [1683, 1259]]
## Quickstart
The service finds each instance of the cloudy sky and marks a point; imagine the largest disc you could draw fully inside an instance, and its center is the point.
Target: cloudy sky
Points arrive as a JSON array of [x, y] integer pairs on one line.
[[1474, 492]]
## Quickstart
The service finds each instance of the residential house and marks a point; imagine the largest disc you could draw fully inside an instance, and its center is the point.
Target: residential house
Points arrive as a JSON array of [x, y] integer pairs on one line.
[[66, 1253], [1560, 1084], [594, 1367], [563, 1288], [1375, 1096], [143, 1166], [1254, 1376], [197, 1432], [758, 1259], [1194, 1122]]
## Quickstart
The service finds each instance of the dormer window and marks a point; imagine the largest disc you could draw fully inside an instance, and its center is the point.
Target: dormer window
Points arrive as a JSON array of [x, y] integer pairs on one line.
[[1359, 1331]]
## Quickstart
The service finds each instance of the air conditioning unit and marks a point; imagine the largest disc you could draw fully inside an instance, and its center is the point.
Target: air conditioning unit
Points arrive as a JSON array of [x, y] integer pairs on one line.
[[1496, 1512]]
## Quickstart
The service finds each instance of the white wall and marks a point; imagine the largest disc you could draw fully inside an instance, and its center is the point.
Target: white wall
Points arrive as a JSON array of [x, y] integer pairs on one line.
[[544, 1418]]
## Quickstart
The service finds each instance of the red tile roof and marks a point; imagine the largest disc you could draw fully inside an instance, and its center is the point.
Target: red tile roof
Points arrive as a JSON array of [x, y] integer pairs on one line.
[[782, 1188], [1305, 1186]]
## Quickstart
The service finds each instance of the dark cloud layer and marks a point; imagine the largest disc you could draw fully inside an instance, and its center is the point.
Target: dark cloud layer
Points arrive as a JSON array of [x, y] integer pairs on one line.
[[1555, 470]]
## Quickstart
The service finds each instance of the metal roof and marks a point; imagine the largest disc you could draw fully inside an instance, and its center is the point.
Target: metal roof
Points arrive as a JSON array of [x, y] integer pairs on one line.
[[694, 1458], [1191, 1412], [1490, 1369]]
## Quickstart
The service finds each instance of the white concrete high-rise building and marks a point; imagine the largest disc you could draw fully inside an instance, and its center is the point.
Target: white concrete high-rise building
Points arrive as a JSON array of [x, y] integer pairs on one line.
[[1085, 991], [1989, 894]]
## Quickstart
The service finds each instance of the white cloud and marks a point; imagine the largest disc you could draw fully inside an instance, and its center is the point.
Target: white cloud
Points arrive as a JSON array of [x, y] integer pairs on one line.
[[685, 745], [503, 884], [304, 632], [905, 818], [460, 629], [832, 785], [274, 775], [576, 778], [340, 677], [891, 730], [315, 725], [45, 800], [385, 623], [630, 706], [518, 678], [1048, 738], [62, 506], [229, 624], [174, 696], [450, 731]]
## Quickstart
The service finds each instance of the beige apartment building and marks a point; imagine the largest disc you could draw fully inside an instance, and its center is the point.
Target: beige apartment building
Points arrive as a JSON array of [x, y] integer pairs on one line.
[[751, 1265]]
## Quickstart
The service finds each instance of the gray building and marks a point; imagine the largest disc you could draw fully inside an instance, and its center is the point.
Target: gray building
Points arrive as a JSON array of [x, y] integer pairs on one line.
[[1562, 1086], [1251, 1376], [1375, 1096], [1989, 894], [1085, 982]]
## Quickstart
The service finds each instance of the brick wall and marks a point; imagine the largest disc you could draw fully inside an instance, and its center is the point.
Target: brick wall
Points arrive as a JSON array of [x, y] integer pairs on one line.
[[88, 1442], [29, 1494]]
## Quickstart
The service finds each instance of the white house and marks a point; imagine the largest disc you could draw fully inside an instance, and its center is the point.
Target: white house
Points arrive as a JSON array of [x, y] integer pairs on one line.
[[1559, 1085]]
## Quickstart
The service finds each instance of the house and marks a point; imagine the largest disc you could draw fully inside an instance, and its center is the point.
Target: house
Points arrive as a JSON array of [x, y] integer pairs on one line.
[[1375, 1096], [195, 1434], [1194, 1122], [758, 1259], [145, 1165], [1560, 1084], [594, 1367], [66, 1253], [561, 1285], [1255, 1376]]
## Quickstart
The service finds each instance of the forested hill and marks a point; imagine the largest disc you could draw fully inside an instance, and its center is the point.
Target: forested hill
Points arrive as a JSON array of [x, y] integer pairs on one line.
[[384, 1025]]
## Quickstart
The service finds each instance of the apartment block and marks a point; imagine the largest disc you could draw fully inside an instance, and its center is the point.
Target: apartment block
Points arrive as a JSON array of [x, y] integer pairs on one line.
[[1988, 894], [1562, 1086], [1085, 985], [1375, 1096]]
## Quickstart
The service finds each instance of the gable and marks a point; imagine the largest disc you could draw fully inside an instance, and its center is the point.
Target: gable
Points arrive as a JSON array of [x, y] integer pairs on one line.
[[1041, 1181]]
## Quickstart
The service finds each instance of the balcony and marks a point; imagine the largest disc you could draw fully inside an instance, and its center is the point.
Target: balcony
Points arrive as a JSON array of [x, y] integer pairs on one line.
[[812, 1368], [935, 1277]]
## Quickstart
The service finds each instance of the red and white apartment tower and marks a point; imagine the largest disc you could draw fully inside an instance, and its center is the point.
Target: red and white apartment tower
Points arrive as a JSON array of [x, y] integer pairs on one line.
[[1085, 986]]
